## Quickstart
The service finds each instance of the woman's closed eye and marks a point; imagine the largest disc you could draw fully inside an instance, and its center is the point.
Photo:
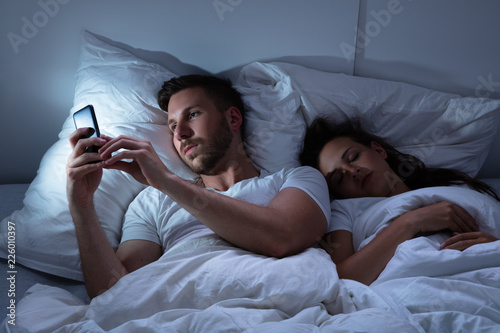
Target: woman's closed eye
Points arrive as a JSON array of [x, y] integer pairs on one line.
[[353, 156]]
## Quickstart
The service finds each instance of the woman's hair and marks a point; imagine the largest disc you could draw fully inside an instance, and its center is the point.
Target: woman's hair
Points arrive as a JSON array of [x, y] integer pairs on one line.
[[409, 168], [220, 91]]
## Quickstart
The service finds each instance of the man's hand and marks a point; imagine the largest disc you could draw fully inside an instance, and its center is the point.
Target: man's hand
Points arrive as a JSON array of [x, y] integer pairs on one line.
[[100, 264], [84, 170], [465, 240], [145, 166]]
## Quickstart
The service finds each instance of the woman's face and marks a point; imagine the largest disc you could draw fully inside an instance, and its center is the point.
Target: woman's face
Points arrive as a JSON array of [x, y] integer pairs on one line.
[[353, 170]]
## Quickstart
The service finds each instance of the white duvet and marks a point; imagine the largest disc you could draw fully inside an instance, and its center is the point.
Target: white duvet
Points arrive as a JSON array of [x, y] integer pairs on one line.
[[211, 286], [215, 288], [446, 290]]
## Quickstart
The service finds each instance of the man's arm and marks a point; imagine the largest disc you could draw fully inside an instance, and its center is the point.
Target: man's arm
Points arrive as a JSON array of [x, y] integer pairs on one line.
[[292, 222], [101, 266], [137, 253]]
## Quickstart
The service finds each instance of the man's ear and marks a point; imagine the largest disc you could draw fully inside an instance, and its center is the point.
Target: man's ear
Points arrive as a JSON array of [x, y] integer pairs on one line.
[[235, 118], [377, 147]]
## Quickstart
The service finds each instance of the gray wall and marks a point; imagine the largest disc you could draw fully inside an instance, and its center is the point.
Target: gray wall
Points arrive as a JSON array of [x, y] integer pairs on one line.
[[448, 45]]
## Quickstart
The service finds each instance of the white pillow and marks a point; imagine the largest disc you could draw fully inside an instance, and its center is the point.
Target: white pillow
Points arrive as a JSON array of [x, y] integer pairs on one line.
[[123, 90], [442, 129]]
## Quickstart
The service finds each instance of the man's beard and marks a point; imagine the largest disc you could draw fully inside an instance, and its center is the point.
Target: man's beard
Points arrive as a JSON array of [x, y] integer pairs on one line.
[[211, 152]]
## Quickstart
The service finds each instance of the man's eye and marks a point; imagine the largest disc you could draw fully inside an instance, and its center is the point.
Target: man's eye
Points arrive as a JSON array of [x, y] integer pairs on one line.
[[193, 114], [173, 127]]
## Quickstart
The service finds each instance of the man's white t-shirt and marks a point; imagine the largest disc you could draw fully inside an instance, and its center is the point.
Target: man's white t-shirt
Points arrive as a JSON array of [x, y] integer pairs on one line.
[[153, 216]]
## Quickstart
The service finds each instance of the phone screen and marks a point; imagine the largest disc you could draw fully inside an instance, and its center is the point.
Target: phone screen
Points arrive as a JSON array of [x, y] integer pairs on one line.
[[85, 117]]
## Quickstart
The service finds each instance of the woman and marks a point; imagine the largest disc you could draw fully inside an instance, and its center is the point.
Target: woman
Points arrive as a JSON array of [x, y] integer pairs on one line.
[[357, 164]]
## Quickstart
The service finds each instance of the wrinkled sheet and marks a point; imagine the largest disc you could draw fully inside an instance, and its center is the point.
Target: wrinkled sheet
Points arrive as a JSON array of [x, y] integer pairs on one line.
[[445, 290], [218, 288], [211, 286]]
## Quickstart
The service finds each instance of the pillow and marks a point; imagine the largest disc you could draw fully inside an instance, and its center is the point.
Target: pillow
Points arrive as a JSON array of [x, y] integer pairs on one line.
[[122, 89], [442, 129]]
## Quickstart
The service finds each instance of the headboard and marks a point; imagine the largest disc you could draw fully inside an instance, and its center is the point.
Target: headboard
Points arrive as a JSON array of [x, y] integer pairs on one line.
[[442, 45]]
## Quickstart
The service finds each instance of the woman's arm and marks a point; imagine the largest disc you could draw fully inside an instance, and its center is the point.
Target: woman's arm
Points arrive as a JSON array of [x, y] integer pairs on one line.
[[367, 264]]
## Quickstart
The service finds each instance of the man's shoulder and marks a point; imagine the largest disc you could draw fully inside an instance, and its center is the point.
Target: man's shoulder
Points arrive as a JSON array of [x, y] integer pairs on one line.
[[148, 192], [151, 196], [297, 175], [301, 171]]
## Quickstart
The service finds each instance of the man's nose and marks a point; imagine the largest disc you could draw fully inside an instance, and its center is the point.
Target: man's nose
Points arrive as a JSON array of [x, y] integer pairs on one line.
[[182, 131]]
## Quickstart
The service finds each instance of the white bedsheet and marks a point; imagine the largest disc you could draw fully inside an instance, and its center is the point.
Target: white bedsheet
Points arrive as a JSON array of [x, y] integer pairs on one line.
[[445, 290], [210, 286], [461, 292], [217, 288]]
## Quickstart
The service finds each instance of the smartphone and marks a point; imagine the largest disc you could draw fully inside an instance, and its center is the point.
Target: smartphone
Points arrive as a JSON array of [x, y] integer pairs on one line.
[[85, 117]]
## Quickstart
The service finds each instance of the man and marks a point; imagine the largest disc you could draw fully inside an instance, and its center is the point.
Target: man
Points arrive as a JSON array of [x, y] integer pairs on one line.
[[275, 215]]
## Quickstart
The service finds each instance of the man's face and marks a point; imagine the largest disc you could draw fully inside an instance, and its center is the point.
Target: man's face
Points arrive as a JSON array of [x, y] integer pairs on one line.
[[201, 133]]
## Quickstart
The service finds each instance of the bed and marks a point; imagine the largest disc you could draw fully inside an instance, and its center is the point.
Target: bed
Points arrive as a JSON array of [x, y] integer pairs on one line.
[[214, 286]]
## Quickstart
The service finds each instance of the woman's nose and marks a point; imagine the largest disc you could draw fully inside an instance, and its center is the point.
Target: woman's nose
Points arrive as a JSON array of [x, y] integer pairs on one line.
[[352, 171]]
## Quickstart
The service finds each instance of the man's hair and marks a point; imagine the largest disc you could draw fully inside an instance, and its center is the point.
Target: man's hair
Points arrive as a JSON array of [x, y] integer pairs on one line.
[[409, 168], [220, 91]]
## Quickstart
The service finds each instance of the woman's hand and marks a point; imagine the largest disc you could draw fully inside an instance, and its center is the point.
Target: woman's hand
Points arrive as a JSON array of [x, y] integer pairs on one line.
[[440, 216], [465, 240]]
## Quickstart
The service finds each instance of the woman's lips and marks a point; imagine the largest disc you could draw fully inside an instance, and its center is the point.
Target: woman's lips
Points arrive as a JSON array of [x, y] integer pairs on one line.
[[366, 180]]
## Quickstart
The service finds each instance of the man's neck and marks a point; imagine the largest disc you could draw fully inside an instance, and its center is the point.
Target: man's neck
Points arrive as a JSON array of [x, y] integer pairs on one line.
[[234, 172]]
